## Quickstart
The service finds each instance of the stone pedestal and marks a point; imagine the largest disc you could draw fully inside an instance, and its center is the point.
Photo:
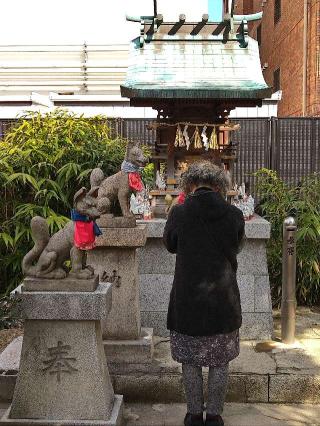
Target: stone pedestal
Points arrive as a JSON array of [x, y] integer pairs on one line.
[[63, 377], [156, 271], [115, 260]]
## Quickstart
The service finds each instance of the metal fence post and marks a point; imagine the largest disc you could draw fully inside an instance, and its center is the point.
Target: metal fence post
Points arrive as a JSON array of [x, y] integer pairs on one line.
[[288, 303]]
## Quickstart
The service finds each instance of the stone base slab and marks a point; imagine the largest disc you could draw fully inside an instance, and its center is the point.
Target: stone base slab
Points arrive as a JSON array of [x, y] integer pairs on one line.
[[123, 237], [256, 228], [116, 418], [63, 306], [140, 351], [156, 270], [67, 284], [109, 221], [255, 302]]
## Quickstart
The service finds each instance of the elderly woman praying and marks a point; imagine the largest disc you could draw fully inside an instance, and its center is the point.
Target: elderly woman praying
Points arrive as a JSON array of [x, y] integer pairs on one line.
[[204, 314]]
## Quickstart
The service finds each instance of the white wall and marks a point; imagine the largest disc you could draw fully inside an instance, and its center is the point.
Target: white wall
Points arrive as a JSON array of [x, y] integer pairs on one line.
[[69, 21], [193, 9], [9, 112], [75, 21]]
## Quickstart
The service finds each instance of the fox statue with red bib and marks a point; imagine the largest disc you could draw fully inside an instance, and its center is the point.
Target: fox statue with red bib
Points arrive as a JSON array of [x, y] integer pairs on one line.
[[122, 184]]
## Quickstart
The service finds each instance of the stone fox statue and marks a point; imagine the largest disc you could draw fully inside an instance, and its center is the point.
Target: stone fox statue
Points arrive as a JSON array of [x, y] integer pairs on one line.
[[46, 259], [118, 186]]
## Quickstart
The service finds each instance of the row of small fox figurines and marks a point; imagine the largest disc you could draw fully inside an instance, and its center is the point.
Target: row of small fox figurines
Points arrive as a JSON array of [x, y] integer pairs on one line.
[[48, 256]]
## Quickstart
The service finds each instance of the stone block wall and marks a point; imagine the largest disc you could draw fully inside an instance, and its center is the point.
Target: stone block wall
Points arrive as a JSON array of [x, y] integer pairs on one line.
[[156, 270]]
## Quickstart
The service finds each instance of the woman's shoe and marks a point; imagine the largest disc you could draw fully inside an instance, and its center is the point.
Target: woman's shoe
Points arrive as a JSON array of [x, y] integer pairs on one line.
[[214, 421], [193, 420]]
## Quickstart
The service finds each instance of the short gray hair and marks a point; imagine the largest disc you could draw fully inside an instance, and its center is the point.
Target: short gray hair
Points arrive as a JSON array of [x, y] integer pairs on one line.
[[205, 173]]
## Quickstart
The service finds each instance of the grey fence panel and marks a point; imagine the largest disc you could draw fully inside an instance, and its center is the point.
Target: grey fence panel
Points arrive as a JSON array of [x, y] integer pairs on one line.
[[253, 149], [296, 148], [115, 127], [315, 148], [137, 130]]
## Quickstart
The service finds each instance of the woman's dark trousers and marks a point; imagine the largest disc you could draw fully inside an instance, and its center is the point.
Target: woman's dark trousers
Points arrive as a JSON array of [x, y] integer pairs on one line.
[[217, 388]]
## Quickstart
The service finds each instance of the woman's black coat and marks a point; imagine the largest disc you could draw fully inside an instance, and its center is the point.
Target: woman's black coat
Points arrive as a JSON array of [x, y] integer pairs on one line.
[[205, 232]]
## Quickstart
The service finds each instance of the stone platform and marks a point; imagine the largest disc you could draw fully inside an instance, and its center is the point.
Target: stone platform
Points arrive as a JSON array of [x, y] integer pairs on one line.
[[289, 376], [156, 270], [67, 284], [135, 351], [116, 418]]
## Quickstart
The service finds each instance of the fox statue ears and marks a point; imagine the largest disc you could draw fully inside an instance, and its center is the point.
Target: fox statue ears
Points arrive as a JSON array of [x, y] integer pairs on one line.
[[83, 193], [79, 195], [94, 191]]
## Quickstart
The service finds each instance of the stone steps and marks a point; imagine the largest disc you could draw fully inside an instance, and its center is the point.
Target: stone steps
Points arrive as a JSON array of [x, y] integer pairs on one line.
[[285, 377], [291, 376], [243, 388]]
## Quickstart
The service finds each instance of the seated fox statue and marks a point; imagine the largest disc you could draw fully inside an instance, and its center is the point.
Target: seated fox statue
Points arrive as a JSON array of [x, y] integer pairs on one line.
[[122, 184], [48, 256]]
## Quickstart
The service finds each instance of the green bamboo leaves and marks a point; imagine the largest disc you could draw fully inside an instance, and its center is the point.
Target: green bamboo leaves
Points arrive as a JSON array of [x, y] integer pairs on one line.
[[44, 159], [278, 199]]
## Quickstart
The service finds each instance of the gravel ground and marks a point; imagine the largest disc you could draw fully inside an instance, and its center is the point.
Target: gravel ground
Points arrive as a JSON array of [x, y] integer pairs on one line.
[[7, 335]]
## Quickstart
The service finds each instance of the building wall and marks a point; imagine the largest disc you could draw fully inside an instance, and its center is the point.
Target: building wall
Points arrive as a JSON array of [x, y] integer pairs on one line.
[[282, 47], [244, 6], [314, 60]]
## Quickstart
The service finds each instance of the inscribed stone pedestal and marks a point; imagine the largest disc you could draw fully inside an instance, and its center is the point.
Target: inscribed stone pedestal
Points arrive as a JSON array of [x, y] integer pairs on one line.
[[59, 365], [124, 318], [63, 377], [115, 259]]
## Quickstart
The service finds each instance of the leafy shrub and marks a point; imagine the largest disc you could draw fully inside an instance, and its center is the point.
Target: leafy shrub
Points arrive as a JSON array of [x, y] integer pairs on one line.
[[43, 161], [148, 175], [278, 200]]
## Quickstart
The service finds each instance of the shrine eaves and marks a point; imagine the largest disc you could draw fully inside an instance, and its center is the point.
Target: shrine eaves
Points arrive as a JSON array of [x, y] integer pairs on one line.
[[195, 60]]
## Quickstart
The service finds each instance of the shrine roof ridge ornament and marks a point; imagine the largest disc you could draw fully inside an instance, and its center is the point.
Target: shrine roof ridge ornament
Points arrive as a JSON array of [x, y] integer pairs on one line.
[[227, 30], [150, 24]]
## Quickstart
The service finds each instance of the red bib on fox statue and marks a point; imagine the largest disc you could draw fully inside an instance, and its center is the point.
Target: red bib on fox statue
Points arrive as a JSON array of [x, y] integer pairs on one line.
[[135, 181], [134, 176], [84, 237], [85, 231]]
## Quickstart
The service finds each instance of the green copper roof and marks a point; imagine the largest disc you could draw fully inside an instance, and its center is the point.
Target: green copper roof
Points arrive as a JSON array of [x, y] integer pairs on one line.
[[195, 67]]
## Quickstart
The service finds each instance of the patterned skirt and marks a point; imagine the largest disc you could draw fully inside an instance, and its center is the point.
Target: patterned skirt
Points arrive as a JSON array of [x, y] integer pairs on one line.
[[205, 351]]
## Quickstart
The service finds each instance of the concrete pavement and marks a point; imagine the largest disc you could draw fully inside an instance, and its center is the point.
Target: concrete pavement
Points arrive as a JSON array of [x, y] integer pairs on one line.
[[234, 415]]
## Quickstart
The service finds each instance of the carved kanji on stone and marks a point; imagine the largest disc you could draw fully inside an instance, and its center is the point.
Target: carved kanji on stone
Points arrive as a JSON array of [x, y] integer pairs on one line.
[[59, 362], [290, 251], [113, 279], [290, 240]]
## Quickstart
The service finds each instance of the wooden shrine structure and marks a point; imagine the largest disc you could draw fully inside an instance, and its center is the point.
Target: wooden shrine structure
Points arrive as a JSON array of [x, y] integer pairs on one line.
[[194, 74]]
